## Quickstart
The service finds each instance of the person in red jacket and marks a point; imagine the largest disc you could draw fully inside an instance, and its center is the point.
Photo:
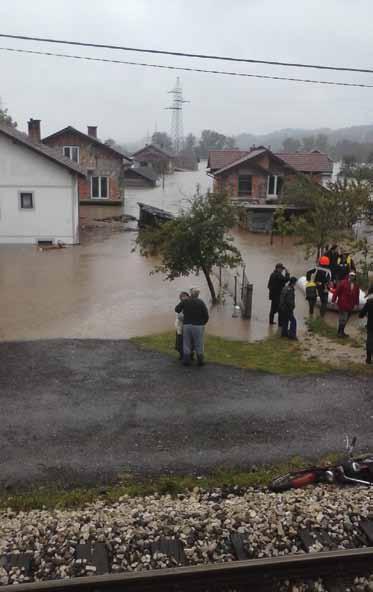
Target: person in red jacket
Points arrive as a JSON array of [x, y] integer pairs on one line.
[[346, 295]]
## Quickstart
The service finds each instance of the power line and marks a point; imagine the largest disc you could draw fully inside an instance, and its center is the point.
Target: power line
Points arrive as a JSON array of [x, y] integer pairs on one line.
[[188, 55], [185, 69]]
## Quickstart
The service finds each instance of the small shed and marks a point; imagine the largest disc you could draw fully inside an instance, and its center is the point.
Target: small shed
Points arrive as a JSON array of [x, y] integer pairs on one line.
[[150, 216], [140, 177]]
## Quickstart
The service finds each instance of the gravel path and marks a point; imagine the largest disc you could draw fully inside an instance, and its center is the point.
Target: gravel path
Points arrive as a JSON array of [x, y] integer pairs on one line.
[[202, 520], [77, 411]]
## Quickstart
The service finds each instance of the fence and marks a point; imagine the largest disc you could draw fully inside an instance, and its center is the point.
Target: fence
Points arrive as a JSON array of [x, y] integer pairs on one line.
[[236, 283], [246, 296]]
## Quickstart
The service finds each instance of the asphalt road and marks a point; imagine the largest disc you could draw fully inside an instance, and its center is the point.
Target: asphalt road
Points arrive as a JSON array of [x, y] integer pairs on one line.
[[83, 411]]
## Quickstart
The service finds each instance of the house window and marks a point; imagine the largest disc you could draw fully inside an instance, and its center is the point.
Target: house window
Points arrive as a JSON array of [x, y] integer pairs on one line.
[[244, 185], [274, 185], [100, 187], [71, 152], [26, 200]]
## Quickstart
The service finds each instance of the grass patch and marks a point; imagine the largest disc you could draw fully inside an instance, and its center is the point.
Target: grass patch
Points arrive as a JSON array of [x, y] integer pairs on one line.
[[275, 354], [320, 327], [51, 499]]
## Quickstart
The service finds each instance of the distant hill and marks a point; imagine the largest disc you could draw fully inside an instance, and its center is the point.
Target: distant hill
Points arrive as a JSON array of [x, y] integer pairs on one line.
[[356, 133]]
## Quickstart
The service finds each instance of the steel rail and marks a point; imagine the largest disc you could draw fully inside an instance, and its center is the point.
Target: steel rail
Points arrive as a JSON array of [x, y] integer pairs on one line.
[[259, 572]]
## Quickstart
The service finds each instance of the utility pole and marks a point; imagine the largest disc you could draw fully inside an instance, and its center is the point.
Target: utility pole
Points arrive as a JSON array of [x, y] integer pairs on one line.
[[177, 133]]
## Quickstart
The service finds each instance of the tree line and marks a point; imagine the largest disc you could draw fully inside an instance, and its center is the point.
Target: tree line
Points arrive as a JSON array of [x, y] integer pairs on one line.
[[200, 147], [346, 150], [349, 151]]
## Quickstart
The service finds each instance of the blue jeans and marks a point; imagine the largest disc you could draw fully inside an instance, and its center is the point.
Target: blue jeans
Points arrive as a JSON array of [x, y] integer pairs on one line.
[[193, 339], [286, 319]]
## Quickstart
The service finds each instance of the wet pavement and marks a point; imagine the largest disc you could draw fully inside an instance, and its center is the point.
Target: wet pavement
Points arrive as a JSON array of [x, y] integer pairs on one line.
[[86, 411], [101, 289]]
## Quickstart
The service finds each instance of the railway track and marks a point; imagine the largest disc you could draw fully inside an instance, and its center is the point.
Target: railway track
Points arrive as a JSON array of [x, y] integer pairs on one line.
[[332, 564], [336, 568]]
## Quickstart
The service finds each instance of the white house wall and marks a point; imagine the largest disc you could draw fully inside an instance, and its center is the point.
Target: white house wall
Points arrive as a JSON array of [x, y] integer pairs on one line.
[[55, 215]]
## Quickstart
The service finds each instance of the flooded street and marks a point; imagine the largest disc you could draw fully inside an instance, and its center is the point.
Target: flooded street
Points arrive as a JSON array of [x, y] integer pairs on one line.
[[101, 289]]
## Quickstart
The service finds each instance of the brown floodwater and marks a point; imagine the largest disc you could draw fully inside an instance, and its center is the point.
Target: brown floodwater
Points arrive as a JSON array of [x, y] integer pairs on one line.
[[101, 289]]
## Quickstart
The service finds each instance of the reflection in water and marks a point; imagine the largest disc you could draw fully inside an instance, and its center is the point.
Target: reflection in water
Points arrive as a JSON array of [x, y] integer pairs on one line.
[[101, 289]]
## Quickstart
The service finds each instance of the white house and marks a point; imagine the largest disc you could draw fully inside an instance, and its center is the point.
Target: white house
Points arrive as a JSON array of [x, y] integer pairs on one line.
[[38, 190]]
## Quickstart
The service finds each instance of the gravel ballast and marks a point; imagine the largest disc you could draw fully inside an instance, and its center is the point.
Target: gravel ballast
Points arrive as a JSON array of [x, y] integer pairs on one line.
[[202, 520]]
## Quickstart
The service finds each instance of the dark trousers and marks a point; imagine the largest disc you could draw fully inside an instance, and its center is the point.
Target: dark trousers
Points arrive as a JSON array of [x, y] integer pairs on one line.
[[342, 321], [288, 324], [369, 346], [179, 344], [275, 303], [324, 296], [311, 305]]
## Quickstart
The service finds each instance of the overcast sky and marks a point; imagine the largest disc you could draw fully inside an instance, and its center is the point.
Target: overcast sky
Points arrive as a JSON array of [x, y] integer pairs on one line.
[[126, 102]]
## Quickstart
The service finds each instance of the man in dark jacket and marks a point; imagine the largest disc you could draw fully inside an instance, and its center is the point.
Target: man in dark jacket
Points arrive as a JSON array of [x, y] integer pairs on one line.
[[195, 318], [276, 282], [367, 310], [287, 306]]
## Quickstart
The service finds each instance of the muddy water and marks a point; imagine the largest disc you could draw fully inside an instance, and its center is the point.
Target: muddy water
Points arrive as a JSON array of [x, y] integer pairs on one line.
[[101, 289]]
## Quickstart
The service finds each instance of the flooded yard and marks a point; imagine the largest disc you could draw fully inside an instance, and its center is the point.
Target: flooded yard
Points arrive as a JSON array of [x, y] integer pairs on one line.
[[101, 289]]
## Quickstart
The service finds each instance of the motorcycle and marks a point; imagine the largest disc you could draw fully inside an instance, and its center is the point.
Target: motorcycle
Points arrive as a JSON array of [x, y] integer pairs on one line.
[[350, 470]]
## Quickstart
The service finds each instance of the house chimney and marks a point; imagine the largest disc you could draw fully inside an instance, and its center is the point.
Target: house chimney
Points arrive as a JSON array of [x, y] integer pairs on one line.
[[34, 130], [92, 131]]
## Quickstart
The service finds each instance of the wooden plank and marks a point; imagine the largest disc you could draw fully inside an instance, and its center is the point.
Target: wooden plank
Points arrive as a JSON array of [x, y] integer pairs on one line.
[[367, 528], [326, 541], [4, 561], [83, 551], [21, 561], [307, 539], [171, 548], [238, 544], [100, 559]]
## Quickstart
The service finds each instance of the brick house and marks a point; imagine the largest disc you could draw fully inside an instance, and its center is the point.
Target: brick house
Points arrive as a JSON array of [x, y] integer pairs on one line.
[[257, 175], [157, 157], [105, 166]]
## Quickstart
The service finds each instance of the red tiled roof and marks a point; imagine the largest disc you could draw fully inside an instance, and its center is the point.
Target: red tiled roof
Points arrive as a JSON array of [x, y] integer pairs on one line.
[[308, 162], [246, 156], [72, 130], [219, 159]]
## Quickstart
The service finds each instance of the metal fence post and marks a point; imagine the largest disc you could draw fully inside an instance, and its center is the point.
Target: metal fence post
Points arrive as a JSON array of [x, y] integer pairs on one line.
[[248, 301]]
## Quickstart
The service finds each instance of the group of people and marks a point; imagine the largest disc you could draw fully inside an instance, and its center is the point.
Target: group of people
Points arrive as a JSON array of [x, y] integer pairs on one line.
[[282, 296], [191, 317], [334, 274]]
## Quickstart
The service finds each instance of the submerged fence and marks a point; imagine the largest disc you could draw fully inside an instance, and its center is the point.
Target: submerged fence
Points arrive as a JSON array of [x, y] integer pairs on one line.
[[236, 283]]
